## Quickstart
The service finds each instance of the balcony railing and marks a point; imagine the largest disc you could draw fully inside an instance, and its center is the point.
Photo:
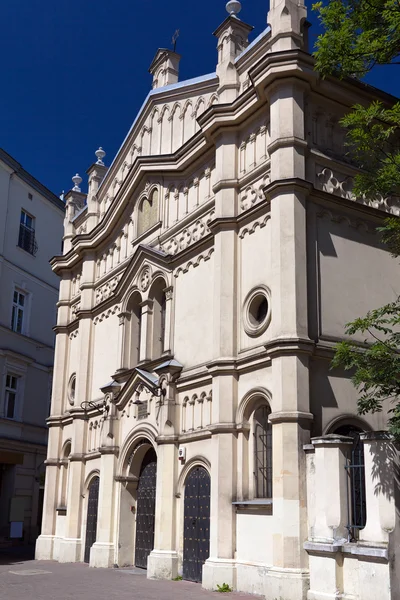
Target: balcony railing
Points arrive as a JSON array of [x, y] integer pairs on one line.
[[26, 239]]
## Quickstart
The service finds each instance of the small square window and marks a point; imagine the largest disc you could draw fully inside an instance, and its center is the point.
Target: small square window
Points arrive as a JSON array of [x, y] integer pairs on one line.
[[30, 196]]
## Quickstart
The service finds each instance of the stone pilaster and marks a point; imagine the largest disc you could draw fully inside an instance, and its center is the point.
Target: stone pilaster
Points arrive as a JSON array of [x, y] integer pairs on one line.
[[45, 542], [163, 560], [96, 173], [102, 553], [220, 567], [290, 346], [145, 330]]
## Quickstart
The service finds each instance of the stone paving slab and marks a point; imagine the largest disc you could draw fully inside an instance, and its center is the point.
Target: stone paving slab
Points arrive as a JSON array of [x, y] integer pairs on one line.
[[23, 580]]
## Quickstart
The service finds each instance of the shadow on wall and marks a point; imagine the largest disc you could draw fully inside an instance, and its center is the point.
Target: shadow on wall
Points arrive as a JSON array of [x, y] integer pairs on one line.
[[385, 468], [322, 396]]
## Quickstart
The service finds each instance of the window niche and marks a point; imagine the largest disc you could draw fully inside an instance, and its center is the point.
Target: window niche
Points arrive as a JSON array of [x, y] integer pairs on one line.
[[147, 212], [133, 326], [158, 297], [262, 453]]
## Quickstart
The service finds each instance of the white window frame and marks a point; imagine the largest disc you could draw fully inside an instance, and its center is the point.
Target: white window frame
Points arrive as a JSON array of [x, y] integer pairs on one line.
[[25, 330], [27, 214], [11, 390], [15, 368], [17, 308]]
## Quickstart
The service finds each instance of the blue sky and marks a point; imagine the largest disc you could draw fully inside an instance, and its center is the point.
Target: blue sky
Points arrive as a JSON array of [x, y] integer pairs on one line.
[[74, 72]]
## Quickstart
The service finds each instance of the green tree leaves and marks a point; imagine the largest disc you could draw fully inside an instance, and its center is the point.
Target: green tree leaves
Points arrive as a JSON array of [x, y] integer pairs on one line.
[[359, 35]]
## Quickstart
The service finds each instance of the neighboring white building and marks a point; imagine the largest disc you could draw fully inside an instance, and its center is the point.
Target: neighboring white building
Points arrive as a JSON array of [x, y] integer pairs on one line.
[[31, 229], [206, 278]]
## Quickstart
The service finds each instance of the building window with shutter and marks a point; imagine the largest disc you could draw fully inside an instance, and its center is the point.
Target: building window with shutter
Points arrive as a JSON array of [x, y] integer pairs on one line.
[[26, 238]]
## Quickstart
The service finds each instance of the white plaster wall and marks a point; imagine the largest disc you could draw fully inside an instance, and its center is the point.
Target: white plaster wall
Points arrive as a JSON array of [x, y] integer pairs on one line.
[[348, 253], [255, 537], [105, 352], [48, 230], [254, 272], [193, 323]]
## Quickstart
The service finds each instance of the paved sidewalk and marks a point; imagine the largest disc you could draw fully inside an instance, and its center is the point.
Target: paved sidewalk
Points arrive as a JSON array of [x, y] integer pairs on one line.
[[44, 580]]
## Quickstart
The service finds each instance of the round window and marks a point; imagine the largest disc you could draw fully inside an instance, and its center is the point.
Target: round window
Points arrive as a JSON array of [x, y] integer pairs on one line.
[[71, 389], [257, 311]]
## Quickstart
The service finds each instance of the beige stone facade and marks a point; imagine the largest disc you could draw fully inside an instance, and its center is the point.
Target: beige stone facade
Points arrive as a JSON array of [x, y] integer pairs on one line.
[[205, 279], [31, 229]]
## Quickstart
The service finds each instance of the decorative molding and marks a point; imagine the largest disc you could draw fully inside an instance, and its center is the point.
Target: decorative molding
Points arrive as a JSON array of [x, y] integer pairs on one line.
[[144, 278], [107, 314], [189, 235], [194, 263], [254, 193], [339, 184], [249, 229], [106, 290]]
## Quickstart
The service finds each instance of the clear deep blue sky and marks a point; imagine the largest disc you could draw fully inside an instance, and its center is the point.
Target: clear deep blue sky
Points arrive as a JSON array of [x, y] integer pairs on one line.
[[74, 73]]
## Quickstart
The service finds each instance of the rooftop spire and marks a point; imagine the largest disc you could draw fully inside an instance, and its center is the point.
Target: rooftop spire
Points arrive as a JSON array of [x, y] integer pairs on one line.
[[233, 7]]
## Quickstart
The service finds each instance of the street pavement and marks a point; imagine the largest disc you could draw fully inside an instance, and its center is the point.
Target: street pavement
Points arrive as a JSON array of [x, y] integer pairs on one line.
[[25, 579]]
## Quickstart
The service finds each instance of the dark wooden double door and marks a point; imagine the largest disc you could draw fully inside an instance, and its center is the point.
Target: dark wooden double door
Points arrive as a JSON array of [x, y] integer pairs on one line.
[[196, 536], [145, 509], [91, 521]]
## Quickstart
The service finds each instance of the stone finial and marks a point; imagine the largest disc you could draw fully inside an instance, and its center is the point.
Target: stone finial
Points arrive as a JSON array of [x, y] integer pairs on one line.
[[100, 154], [233, 7], [77, 180], [62, 196]]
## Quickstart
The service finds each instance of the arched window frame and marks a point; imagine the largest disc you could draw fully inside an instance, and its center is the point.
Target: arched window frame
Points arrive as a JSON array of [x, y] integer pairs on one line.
[[261, 458], [133, 331], [64, 475], [158, 297]]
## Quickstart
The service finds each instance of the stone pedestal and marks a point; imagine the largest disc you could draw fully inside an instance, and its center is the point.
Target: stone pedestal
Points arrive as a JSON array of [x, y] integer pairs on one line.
[[329, 515]]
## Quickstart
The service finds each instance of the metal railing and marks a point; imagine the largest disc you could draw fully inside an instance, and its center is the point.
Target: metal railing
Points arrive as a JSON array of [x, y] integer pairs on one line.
[[27, 240]]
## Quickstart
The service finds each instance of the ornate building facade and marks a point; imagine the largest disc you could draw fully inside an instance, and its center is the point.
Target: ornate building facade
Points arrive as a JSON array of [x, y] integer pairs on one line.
[[206, 277]]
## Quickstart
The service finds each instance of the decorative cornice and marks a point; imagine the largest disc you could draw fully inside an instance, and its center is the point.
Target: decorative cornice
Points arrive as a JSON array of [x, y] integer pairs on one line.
[[279, 346], [294, 416]]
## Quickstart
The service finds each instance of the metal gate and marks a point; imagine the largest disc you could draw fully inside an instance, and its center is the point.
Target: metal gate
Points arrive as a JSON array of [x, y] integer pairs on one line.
[[146, 505], [196, 536], [91, 522]]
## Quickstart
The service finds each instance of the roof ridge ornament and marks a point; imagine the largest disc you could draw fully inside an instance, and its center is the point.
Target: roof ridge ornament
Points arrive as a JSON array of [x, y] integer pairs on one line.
[[77, 180], [100, 154], [233, 7]]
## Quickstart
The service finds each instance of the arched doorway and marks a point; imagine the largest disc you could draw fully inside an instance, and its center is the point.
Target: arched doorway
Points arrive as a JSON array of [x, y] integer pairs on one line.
[[196, 526], [91, 521], [356, 480], [145, 509]]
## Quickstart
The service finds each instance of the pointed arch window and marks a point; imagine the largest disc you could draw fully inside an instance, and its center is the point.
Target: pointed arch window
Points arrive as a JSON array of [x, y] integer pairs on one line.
[[262, 434]]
